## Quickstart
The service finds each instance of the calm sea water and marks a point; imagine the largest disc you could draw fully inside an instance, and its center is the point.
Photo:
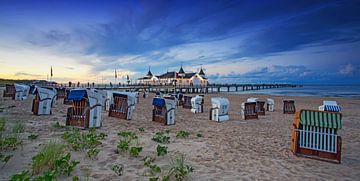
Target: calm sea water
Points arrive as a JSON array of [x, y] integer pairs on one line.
[[343, 91]]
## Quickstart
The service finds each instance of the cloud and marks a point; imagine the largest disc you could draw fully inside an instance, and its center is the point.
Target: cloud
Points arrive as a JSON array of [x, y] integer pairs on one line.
[[347, 70], [24, 74]]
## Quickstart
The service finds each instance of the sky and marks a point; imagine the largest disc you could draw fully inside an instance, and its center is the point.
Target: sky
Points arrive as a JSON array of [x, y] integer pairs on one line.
[[305, 42]]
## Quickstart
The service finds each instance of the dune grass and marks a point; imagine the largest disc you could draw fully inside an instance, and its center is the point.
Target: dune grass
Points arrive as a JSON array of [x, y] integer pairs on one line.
[[47, 156]]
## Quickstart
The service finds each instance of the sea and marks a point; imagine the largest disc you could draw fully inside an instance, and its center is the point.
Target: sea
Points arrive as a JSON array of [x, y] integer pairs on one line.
[[339, 91]]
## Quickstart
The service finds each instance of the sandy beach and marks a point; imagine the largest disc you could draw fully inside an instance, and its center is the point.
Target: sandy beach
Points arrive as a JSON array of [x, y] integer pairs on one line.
[[232, 150]]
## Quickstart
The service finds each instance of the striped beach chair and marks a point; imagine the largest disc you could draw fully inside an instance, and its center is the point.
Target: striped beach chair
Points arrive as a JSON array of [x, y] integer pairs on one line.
[[314, 134], [330, 106]]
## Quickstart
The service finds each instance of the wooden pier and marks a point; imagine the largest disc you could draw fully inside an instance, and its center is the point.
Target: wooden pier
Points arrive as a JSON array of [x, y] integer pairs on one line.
[[210, 88]]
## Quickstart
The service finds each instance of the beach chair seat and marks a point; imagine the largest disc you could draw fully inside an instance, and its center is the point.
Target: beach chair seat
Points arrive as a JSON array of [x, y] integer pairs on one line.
[[289, 107], [248, 110], [85, 111], [330, 106], [164, 110], [270, 105], [314, 134], [9, 91], [197, 104], [187, 102], [43, 100], [122, 105], [219, 110]]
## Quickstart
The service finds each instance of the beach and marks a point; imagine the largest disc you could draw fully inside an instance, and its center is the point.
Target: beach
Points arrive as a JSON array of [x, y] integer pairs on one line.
[[233, 150]]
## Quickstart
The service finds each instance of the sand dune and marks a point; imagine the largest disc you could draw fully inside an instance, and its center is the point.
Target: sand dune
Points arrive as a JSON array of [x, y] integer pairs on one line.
[[233, 150]]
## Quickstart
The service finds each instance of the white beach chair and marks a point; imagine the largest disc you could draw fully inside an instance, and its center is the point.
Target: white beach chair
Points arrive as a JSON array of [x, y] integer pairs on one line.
[[197, 104], [270, 105], [21, 91], [219, 109], [164, 110], [43, 101], [330, 106]]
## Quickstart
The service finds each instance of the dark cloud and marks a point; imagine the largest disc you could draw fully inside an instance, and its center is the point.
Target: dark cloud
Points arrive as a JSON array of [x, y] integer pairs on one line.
[[27, 74], [49, 38]]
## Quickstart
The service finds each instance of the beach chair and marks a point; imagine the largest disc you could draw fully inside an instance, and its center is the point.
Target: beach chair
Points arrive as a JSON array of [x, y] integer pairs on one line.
[[85, 111], [248, 110], [43, 101], [270, 105], [187, 102], [66, 100], [330, 106], [219, 110], [180, 98], [314, 134], [260, 110], [9, 91], [122, 105], [289, 107], [197, 104], [21, 91], [61, 92], [164, 110]]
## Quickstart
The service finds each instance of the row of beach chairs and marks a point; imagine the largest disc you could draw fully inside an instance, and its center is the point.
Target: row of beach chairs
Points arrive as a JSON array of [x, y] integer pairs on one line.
[[314, 132]]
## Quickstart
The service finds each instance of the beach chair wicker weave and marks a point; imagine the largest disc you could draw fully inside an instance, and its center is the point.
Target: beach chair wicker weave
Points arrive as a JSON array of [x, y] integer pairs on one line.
[[122, 105], [248, 110], [289, 107]]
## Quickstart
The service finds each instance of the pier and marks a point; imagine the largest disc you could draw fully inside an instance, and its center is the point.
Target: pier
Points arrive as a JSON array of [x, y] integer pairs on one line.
[[210, 88]]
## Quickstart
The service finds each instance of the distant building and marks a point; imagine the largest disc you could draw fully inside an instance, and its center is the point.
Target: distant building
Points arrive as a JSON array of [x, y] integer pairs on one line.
[[172, 78]]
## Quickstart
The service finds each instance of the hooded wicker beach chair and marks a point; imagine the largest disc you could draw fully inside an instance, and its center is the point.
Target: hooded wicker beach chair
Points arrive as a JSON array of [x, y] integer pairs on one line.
[[122, 105], [21, 92], [289, 107], [43, 101], [61, 92], [164, 110], [248, 110], [330, 106], [270, 105], [314, 134], [85, 111], [197, 104], [219, 110], [187, 102], [9, 91]]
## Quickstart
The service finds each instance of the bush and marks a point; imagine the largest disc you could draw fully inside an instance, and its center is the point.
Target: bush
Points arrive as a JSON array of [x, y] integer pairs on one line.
[[161, 150], [118, 169], [160, 137], [182, 134]]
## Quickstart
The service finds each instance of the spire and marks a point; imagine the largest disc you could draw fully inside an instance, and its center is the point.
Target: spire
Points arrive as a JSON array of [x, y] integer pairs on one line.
[[149, 74], [181, 71], [201, 71]]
